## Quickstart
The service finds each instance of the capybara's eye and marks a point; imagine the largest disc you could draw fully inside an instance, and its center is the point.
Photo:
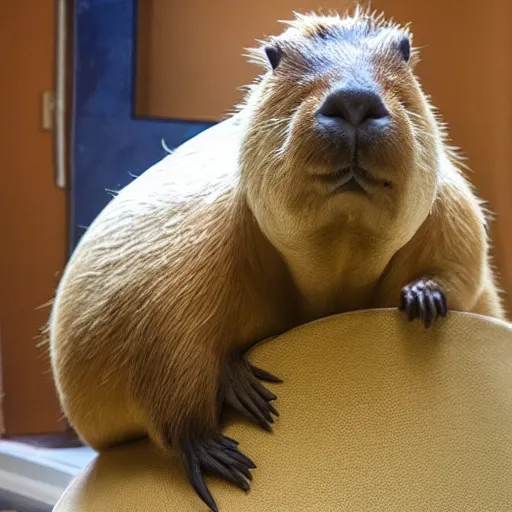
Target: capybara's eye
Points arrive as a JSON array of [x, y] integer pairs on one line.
[[405, 48], [274, 55]]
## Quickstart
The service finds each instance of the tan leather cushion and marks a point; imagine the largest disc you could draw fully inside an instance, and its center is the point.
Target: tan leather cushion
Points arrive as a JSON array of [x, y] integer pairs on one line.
[[376, 415]]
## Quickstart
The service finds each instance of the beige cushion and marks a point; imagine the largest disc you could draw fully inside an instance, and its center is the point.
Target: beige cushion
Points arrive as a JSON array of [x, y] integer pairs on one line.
[[376, 415]]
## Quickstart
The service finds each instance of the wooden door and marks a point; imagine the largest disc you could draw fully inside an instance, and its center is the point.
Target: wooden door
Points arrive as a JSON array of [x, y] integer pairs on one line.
[[32, 216]]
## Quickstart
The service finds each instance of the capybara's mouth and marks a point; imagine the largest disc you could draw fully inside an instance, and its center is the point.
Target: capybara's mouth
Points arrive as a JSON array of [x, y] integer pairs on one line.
[[352, 179], [352, 185]]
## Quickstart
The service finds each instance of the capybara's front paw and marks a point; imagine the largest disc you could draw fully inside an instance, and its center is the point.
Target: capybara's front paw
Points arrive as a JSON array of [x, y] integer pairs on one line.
[[218, 456], [243, 391], [423, 299]]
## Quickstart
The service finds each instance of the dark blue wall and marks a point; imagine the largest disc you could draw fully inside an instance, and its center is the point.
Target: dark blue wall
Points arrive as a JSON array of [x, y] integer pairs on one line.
[[109, 143]]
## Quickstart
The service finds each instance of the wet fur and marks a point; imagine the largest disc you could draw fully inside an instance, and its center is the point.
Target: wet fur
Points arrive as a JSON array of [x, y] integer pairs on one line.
[[227, 241]]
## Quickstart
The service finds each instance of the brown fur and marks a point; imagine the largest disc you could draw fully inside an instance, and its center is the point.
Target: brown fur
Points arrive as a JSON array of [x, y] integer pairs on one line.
[[232, 239]]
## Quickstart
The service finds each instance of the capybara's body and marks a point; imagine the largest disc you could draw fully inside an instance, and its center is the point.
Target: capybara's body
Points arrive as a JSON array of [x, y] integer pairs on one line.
[[332, 189]]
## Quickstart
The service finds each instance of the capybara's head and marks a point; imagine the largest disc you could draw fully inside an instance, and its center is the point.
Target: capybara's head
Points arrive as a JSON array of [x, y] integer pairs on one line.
[[337, 131]]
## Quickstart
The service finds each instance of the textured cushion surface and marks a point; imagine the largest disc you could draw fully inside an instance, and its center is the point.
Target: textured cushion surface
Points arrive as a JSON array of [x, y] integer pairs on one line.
[[376, 414]]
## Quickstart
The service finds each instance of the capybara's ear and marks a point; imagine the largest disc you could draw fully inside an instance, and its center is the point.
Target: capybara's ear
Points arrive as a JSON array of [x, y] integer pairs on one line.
[[274, 54], [405, 48]]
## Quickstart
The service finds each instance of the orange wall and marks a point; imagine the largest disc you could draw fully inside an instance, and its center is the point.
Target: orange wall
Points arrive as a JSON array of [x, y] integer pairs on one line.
[[32, 215], [190, 67]]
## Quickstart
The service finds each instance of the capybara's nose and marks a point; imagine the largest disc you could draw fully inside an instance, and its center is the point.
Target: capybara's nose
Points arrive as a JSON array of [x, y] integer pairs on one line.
[[353, 106]]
